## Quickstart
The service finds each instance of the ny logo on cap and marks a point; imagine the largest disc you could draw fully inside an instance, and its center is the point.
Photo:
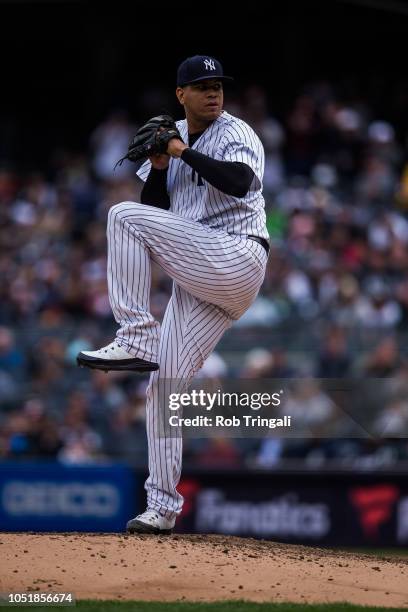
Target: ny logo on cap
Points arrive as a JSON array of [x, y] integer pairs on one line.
[[209, 64]]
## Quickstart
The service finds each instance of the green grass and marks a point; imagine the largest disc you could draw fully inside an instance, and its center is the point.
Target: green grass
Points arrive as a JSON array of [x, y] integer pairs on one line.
[[376, 552], [224, 606]]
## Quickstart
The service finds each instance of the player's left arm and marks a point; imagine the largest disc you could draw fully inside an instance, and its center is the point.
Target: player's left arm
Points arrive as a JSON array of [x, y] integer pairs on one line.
[[231, 177], [240, 143]]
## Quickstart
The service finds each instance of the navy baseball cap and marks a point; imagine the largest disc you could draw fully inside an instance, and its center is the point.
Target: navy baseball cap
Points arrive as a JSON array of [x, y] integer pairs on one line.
[[200, 68]]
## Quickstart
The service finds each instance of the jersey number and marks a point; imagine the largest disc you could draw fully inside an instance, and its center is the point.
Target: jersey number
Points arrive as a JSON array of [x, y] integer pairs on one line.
[[199, 179]]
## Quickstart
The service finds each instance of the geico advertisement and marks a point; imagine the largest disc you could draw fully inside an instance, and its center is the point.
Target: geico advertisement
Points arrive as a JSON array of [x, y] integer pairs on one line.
[[21, 498], [50, 497]]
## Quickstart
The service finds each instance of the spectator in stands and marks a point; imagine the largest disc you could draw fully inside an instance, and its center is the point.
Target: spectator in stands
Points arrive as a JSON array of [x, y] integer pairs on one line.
[[334, 360]]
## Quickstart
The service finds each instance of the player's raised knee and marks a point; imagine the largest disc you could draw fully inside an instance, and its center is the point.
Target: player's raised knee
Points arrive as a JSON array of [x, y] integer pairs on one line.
[[118, 211]]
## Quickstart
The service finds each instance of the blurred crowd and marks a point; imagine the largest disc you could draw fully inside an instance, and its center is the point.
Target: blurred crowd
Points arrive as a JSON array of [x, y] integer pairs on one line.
[[334, 304]]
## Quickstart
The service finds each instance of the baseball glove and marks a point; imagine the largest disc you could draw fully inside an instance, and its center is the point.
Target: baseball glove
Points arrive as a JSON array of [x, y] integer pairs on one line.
[[152, 138]]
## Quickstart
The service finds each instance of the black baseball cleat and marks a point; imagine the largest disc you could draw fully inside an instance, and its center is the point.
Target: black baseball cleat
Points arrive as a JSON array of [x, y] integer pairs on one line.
[[150, 521], [114, 357]]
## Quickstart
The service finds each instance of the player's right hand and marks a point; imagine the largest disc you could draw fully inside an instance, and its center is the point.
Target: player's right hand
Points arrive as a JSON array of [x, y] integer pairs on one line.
[[160, 162]]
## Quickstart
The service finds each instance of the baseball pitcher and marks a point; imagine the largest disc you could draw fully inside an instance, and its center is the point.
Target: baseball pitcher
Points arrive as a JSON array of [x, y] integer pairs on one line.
[[202, 219]]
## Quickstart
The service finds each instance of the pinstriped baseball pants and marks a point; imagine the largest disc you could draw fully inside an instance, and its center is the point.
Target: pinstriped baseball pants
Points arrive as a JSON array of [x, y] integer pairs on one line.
[[216, 278]]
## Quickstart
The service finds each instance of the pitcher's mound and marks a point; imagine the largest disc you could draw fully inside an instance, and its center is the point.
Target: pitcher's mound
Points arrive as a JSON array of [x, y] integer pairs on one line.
[[196, 568]]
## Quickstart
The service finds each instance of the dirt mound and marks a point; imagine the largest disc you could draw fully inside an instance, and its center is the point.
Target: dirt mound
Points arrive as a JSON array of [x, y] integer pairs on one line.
[[196, 568]]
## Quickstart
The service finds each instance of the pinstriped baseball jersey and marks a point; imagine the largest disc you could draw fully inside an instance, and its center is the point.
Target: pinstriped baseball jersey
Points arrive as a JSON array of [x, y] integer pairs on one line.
[[226, 139], [216, 278], [201, 242]]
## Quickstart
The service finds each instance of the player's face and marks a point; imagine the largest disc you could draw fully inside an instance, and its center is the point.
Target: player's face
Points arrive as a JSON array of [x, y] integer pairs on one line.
[[203, 100]]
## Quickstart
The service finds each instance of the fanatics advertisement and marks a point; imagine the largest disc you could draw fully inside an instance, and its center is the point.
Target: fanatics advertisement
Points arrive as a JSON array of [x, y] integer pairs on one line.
[[325, 510]]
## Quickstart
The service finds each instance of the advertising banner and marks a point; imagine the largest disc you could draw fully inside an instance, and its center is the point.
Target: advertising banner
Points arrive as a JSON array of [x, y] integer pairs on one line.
[[310, 508], [53, 497]]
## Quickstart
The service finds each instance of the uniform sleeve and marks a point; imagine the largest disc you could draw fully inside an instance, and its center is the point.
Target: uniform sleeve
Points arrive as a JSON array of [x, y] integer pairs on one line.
[[241, 144], [154, 190], [232, 178], [144, 170]]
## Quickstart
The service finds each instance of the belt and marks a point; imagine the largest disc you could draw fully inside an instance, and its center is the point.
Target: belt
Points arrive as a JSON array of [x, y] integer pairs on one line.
[[262, 241]]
